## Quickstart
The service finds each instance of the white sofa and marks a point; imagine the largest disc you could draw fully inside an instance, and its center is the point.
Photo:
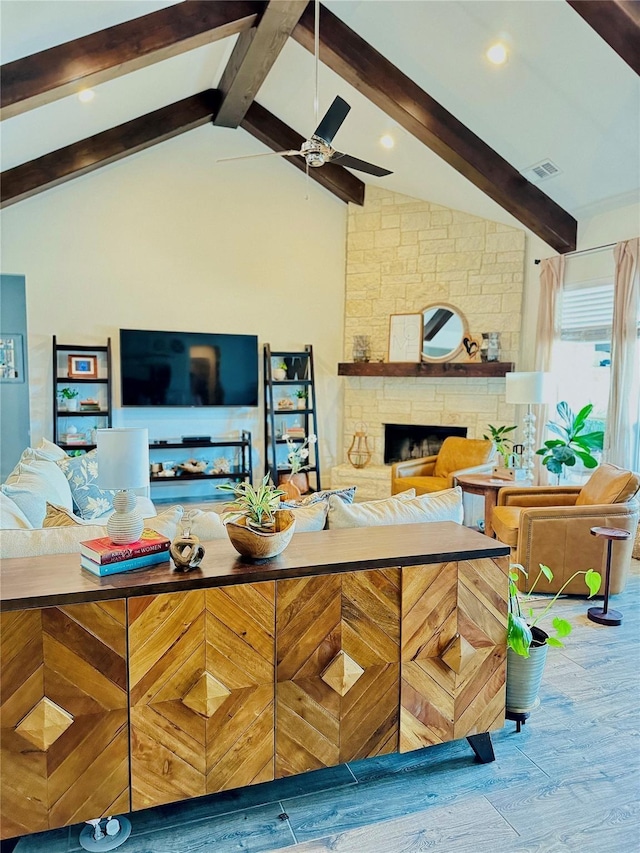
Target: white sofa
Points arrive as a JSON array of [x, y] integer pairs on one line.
[[40, 512]]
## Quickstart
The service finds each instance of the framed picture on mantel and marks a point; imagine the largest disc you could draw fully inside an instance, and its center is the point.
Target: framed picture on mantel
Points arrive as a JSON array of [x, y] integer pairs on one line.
[[405, 337]]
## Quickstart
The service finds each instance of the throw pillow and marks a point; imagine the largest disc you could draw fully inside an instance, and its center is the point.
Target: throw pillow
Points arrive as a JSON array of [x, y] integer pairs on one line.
[[347, 495], [166, 522], [11, 516], [82, 475], [437, 506], [58, 516], [59, 540], [48, 450], [34, 482]]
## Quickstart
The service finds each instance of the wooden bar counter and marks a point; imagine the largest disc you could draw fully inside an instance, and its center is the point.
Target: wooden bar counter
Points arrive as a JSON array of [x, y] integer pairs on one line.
[[153, 686]]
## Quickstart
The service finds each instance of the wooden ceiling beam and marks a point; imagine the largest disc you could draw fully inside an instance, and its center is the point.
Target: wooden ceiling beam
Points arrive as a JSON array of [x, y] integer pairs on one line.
[[278, 136], [617, 22], [111, 145], [253, 55], [342, 50], [84, 62], [85, 156]]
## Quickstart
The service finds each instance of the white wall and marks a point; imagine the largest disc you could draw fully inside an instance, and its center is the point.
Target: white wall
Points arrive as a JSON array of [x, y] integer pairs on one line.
[[168, 239]]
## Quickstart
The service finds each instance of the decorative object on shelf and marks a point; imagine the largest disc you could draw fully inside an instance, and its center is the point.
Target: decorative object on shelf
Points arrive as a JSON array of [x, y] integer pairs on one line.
[[361, 350], [297, 454], [472, 347], [527, 643], [194, 466], [89, 404], [68, 399], [405, 337], [280, 372], [82, 366], [359, 453], [602, 615], [186, 550], [301, 395], [123, 465], [285, 404], [574, 443], [484, 346], [221, 465], [527, 388], [493, 346], [443, 330], [254, 524]]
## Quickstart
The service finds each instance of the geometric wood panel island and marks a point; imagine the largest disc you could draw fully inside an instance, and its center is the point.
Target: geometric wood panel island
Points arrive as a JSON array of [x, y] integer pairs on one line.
[[149, 687]]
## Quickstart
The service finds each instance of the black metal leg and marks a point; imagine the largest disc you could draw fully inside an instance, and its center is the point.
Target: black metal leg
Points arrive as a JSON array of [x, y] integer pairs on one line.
[[482, 746]]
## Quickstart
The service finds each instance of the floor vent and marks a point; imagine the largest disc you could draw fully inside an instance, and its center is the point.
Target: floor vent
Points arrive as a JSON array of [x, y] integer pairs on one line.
[[542, 171]]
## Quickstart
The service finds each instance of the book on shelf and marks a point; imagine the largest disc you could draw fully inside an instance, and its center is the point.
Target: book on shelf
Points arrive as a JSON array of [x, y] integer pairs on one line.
[[104, 551], [102, 569], [73, 438]]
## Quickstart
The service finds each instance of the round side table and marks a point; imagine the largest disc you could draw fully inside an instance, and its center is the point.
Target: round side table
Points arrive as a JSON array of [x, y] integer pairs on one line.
[[488, 487], [602, 615]]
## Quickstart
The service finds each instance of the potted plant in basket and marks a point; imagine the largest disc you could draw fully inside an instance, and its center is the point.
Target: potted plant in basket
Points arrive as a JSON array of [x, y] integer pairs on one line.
[[574, 442], [527, 643], [255, 525]]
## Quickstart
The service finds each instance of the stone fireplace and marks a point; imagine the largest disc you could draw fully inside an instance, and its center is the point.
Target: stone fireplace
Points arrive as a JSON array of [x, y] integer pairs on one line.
[[402, 255]]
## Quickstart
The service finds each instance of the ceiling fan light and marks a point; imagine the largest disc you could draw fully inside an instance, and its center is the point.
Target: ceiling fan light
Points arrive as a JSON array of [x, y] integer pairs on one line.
[[387, 141], [86, 95]]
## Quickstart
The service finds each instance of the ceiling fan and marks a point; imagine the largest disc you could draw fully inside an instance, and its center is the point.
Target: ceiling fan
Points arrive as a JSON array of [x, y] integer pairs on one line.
[[317, 150]]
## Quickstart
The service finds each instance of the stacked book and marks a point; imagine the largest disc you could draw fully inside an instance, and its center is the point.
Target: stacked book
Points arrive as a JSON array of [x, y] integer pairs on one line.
[[73, 438], [103, 557], [89, 405], [295, 432]]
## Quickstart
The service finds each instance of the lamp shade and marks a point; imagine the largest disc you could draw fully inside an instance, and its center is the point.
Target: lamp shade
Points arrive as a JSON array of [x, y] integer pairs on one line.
[[526, 387], [123, 458]]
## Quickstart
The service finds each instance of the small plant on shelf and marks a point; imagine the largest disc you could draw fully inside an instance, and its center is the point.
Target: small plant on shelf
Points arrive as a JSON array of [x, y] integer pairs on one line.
[[301, 394], [68, 394], [297, 454]]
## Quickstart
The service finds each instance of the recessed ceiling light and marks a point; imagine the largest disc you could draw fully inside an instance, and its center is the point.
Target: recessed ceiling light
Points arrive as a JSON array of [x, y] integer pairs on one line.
[[497, 53], [86, 95], [387, 141]]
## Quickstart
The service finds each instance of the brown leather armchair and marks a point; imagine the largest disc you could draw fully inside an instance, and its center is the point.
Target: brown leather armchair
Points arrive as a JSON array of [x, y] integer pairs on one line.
[[457, 456], [552, 524]]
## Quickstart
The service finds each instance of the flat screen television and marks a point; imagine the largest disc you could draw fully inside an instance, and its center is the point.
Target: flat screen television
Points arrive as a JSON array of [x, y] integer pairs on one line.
[[188, 369]]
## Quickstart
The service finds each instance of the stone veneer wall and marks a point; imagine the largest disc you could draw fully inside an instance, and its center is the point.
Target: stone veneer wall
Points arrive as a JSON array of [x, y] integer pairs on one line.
[[404, 254]]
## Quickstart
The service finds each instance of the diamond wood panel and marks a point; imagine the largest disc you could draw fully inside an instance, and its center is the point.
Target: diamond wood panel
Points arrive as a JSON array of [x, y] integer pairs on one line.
[[338, 647], [64, 716], [454, 618], [202, 685]]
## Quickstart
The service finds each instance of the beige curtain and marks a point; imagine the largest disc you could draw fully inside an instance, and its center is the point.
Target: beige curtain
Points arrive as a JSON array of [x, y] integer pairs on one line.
[[547, 333], [622, 440]]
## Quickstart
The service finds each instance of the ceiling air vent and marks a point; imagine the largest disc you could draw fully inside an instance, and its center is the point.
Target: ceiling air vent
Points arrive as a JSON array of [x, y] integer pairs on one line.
[[542, 171]]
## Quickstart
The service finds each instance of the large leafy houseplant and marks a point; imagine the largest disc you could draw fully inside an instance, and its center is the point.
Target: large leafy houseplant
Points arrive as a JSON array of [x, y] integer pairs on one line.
[[523, 624], [574, 441]]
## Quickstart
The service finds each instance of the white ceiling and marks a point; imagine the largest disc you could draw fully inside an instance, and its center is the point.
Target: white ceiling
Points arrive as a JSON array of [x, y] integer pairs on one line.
[[564, 94]]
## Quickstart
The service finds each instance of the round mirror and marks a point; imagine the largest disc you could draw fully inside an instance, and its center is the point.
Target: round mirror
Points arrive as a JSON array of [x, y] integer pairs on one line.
[[443, 329]]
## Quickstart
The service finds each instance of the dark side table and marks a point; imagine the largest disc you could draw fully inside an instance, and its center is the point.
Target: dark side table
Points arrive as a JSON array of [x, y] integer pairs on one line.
[[488, 487], [602, 615]]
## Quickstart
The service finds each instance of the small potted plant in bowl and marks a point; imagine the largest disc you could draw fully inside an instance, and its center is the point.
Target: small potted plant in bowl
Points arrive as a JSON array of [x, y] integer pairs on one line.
[[256, 527], [68, 399], [301, 395], [527, 643], [280, 371]]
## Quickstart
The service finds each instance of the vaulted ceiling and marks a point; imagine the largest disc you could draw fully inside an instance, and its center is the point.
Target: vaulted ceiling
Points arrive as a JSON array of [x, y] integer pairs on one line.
[[465, 131]]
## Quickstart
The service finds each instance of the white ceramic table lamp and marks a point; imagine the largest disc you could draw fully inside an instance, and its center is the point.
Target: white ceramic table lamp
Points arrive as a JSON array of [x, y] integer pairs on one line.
[[529, 389], [123, 464]]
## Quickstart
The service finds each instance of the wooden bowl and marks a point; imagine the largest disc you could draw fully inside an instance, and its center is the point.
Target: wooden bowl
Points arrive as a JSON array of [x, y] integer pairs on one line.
[[259, 544]]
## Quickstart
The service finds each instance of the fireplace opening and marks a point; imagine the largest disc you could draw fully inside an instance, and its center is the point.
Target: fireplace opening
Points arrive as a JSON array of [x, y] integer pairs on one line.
[[413, 441]]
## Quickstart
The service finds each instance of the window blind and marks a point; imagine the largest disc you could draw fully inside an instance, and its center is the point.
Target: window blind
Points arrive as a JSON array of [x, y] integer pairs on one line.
[[587, 311]]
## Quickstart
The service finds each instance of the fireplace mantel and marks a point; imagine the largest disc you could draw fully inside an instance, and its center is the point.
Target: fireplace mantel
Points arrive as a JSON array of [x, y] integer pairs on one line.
[[447, 370]]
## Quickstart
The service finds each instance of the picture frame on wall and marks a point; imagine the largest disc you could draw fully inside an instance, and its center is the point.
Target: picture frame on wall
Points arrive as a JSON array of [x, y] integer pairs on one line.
[[82, 367], [405, 338]]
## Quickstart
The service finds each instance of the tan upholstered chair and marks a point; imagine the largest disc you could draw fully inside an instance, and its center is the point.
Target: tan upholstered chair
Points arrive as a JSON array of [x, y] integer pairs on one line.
[[552, 524], [457, 456]]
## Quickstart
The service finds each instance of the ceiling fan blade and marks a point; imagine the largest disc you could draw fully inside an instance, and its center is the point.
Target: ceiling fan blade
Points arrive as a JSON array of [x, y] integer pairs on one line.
[[266, 154], [360, 165], [332, 120]]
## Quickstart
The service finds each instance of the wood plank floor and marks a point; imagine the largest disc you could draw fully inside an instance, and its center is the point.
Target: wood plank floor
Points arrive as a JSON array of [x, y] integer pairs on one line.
[[568, 783]]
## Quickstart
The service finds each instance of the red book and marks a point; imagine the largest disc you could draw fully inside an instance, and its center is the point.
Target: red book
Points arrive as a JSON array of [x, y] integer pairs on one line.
[[104, 551]]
